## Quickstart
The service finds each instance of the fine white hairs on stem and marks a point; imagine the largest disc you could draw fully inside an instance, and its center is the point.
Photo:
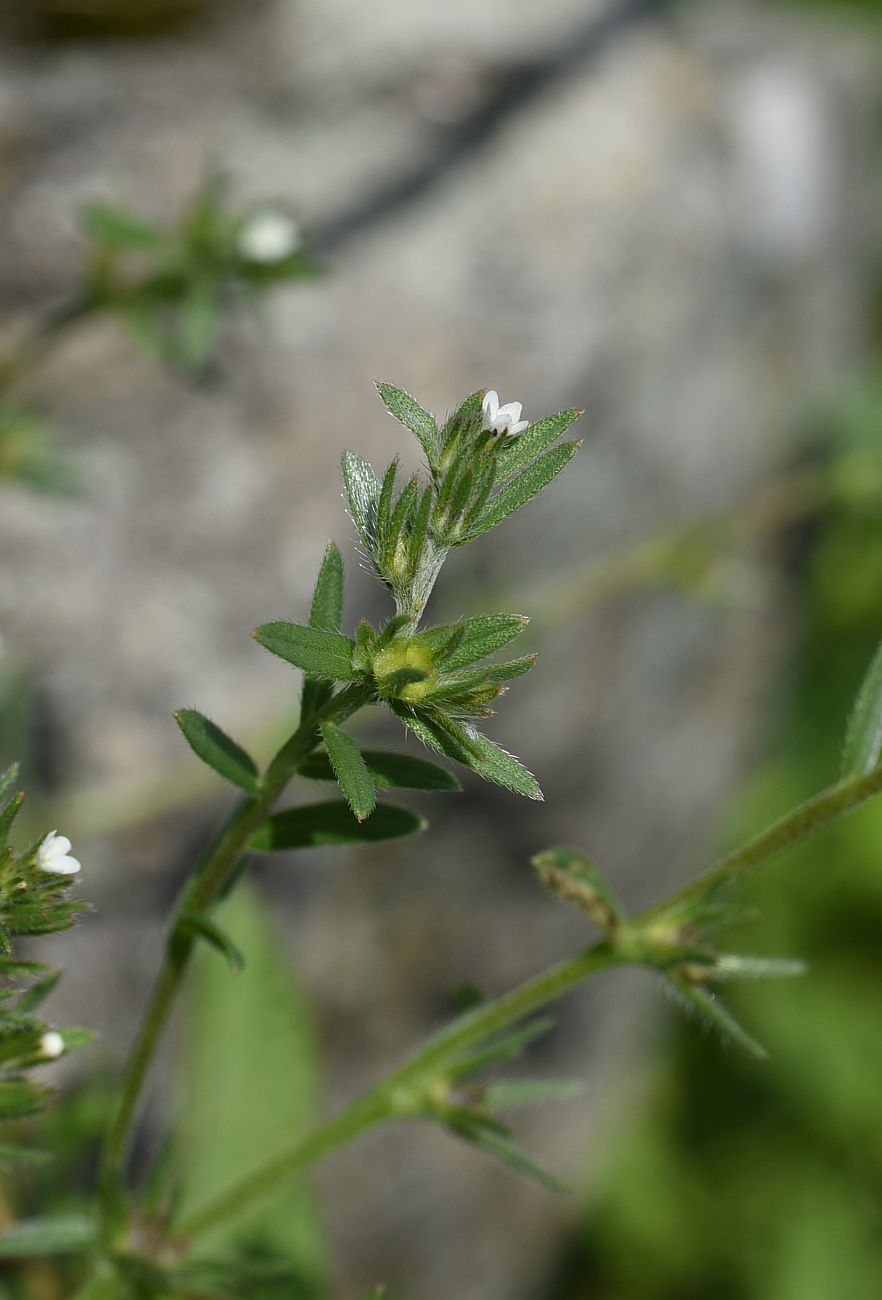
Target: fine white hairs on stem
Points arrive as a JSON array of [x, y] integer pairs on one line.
[[51, 1045], [502, 419], [54, 855]]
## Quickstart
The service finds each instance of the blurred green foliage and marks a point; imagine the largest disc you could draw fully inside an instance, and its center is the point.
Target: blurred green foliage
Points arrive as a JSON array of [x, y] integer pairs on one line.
[[746, 1182]]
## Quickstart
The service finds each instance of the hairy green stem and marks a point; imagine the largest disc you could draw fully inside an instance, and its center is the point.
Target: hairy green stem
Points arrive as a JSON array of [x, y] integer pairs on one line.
[[201, 891], [393, 1096], [790, 830]]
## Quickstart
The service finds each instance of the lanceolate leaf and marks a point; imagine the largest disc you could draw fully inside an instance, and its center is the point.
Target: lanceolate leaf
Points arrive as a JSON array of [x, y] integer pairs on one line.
[[522, 489], [327, 600], [362, 495], [863, 738], [8, 779], [530, 1092], [350, 770], [388, 770], [31, 1238], [496, 764], [714, 1013], [467, 746], [479, 637], [206, 929], [8, 816], [534, 440], [324, 654], [409, 413], [326, 615], [333, 823], [502, 1148], [218, 750]]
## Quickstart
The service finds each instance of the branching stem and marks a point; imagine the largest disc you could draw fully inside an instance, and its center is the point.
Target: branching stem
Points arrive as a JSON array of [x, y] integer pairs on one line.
[[201, 891]]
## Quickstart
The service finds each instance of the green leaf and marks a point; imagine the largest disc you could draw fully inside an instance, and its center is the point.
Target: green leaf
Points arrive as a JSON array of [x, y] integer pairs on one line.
[[733, 966], [8, 779], [8, 816], [326, 615], [32, 998], [333, 823], [350, 770], [362, 495], [717, 1015], [388, 770], [505, 1047], [503, 1149], [535, 439], [18, 1098], [22, 1157], [496, 764], [863, 737], [249, 1084], [324, 654], [409, 413], [119, 229], [480, 637], [326, 612], [31, 1238], [522, 489], [218, 750], [205, 928], [508, 1095]]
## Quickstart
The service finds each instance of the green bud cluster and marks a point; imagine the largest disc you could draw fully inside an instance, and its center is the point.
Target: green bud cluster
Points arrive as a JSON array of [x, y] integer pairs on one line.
[[33, 901]]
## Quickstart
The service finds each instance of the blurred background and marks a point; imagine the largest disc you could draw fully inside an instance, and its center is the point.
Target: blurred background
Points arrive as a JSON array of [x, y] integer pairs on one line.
[[667, 213]]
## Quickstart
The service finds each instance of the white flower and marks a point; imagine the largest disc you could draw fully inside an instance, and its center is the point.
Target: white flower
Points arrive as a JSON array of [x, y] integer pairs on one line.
[[54, 855], [269, 236], [51, 1045], [502, 419]]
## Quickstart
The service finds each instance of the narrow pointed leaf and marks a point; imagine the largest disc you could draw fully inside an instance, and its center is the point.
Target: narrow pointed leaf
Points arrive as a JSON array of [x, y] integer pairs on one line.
[[218, 750], [8, 779], [444, 735], [506, 1047], [863, 738], [508, 1153], [350, 770], [35, 995], [205, 928], [408, 412], [732, 966], [362, 496], [324, 654], [522, 489], [388, 770], [496, 764], [326, 614], [22, 1157], [8, 816], [718, 1016], [528, 445], [333, 823], [479, 638], [468, 412], [515, 1093], [31, 1238]]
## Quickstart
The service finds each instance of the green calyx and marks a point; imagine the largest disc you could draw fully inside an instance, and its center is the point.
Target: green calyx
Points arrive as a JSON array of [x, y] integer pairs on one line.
[[405, 670]]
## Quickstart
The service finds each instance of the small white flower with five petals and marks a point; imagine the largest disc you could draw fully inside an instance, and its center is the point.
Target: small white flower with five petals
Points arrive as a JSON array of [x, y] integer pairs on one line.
[[51, 1045], [54, 855], [502, 419], [268, 237]]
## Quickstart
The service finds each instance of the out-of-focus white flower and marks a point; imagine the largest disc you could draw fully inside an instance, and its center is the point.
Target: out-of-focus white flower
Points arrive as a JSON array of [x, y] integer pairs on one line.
[[54, 855], [502, 419], [51, 1045], [269, 236]]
